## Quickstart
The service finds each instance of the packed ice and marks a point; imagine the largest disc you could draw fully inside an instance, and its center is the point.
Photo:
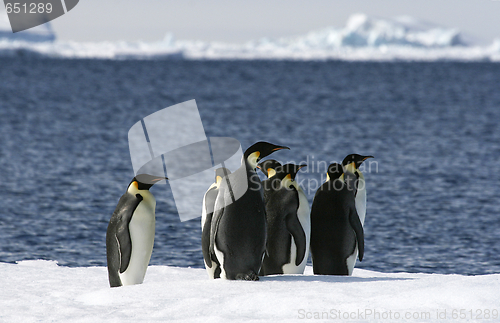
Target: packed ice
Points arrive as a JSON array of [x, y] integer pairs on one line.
[[362, 38], [42, 291]]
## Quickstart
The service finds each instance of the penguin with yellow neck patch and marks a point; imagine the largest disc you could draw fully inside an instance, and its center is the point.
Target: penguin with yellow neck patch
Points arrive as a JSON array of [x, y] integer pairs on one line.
[[288, 223], [336, 231], [268, 167], [131, 232], [238, 231], [351, 164], [211, 264]]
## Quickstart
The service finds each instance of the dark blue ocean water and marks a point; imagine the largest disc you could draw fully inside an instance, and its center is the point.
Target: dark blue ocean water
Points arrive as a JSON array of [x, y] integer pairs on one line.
[[433, 194]]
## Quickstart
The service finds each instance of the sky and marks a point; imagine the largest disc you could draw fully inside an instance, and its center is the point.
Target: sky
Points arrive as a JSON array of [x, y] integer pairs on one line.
[[238, 21]]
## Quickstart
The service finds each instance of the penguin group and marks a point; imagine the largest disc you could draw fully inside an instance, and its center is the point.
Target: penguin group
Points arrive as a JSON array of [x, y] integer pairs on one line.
[[271, 230], [268, 230]]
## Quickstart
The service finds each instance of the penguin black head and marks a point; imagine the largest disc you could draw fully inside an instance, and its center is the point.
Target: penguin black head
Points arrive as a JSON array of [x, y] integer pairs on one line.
[[356, 159], [220, 173], [334, 172], [268, 167], [146, 181], [288, 169], [259, 150]]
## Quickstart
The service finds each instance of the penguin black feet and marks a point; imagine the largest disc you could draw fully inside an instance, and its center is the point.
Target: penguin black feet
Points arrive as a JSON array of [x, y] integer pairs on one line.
[[249, 276]]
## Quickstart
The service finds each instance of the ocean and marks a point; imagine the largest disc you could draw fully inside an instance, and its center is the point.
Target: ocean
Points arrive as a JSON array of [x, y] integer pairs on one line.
[[433, 187]]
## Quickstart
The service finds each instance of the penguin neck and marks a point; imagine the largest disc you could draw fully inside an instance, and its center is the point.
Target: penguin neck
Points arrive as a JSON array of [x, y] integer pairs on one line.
[[133, 189], [252, 160], [351, 168], [330, 179], [287, 181], [217, 182]]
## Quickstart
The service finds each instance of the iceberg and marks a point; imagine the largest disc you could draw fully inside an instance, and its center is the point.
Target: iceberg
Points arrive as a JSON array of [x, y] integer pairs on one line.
[[40, 33], [362, 30], [42, 291]]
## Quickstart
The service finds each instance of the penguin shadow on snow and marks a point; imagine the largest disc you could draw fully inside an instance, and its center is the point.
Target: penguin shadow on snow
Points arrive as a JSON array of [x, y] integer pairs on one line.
[[329, 278]]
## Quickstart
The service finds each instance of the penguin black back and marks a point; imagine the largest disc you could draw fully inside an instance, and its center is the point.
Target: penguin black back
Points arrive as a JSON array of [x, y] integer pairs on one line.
[[282, 207], [238, 232], [335, 226]]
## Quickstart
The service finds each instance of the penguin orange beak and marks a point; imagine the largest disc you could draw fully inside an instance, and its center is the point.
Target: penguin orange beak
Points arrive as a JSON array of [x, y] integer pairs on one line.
[[367, 157], [159, 179], [282, 147]]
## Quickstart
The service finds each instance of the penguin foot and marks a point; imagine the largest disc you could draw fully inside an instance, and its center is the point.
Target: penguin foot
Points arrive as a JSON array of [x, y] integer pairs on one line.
[[249, 276]]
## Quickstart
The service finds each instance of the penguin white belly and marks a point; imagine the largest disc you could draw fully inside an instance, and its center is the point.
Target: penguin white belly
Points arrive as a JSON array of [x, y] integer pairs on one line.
[[304, 217], [203, 213], [351, 261], [290, 268], [142, 233], [220, 257], [361, 201]]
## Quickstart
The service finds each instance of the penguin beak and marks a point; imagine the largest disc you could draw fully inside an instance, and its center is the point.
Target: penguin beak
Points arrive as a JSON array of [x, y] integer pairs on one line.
[[159, 179], [366, 157], [281, 147], [301, 166]]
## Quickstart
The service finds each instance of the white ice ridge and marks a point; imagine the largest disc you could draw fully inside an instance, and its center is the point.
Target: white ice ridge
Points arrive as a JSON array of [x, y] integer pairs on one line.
[[363, 38], [42, 291]]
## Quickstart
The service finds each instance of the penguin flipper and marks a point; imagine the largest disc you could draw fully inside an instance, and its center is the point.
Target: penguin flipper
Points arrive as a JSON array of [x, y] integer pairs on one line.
[[217, 216], [358, 229], [295, 228], [205, 239], [113, 257], [123, 233]]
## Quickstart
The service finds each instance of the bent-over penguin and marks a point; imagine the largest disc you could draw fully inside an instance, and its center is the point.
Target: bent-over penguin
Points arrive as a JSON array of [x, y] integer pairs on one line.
[[131, 232]]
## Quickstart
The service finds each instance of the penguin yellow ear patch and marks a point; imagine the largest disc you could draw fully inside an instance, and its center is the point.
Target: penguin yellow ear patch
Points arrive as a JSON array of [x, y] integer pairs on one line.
[[135, 185]]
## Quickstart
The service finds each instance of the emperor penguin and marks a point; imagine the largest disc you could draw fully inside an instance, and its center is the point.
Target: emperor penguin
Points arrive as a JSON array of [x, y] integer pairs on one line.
[[356, 181], [211, 264], [336, 230], [268, 167], [288, 223], [238, 231], [351, 164], [131, 231]]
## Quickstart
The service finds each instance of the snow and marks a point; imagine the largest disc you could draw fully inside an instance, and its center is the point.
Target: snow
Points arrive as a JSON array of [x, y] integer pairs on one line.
[[363, 38], [42, 291]]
